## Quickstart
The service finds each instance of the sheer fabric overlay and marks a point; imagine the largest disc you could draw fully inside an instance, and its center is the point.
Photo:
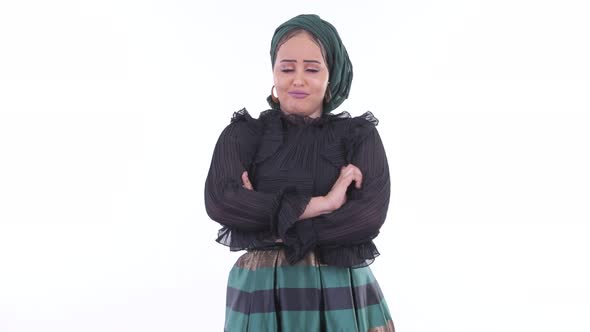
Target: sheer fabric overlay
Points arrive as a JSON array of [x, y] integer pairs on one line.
[[290, 159]]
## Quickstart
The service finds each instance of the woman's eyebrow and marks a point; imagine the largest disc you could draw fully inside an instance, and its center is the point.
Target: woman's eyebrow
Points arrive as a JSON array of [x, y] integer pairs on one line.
[[292, 60]]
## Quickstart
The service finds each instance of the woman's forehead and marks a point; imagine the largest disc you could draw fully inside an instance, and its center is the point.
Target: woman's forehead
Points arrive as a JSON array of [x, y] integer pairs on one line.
[[300, 47]]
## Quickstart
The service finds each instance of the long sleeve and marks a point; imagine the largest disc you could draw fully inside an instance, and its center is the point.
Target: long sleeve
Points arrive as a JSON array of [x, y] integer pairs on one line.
[[361, 217], [249, 217], [344, 237], [226, 201]]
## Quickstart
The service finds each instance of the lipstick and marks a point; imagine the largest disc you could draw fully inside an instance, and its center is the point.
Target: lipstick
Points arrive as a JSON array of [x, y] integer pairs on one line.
[[298, 94]]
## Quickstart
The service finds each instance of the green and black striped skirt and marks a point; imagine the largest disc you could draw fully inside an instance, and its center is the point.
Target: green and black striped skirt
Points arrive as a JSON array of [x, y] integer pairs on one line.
[[266, 293]]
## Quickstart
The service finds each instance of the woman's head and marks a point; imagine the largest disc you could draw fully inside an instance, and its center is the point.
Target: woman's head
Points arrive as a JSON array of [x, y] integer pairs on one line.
[[307, 53]]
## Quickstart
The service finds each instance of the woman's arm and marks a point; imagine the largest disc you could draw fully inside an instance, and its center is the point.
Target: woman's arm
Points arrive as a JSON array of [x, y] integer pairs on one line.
[[336, 220], [319, 205], [345, 217], [225, 200], [337, 196], [361, 216], [228, 202]]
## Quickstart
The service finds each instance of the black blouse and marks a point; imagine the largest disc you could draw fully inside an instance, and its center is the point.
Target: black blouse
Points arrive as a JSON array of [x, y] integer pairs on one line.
[[289, 159]]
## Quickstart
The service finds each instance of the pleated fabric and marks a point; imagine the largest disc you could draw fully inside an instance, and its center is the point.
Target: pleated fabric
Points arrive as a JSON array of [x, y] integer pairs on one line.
[[266, 293], [290, 159]]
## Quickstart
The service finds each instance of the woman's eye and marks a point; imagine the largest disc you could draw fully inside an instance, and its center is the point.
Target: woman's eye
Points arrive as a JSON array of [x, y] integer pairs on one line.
[[286, 70], [312, 70]]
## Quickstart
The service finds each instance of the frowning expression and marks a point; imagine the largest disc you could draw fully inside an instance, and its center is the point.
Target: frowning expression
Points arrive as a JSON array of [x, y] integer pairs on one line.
[[301, 76]]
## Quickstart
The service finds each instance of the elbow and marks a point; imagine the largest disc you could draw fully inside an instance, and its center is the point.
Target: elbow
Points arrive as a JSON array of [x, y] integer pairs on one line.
[[214, 210], [372, 227], [214, 205], [373, 222], [376, 219], [214, 201]]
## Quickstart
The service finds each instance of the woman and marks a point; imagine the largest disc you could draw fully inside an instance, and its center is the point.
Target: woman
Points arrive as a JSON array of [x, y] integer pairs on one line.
[[305, 192]]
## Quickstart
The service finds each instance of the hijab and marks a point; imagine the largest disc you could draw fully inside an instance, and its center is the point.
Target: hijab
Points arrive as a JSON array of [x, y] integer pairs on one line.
[[339, 65]]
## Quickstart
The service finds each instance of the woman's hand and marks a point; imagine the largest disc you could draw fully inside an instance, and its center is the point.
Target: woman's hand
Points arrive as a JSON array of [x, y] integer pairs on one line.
[[333, 200], [246, 181], [337, 195]]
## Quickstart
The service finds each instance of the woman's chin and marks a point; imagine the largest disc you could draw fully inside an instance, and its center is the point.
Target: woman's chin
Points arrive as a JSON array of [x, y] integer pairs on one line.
[[302, 110]]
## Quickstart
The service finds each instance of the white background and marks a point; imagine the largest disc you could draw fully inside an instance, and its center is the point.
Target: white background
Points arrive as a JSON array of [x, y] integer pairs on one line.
[[109, 112]]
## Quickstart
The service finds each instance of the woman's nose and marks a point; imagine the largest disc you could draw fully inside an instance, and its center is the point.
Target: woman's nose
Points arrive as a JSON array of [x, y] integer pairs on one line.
[[298, 80]]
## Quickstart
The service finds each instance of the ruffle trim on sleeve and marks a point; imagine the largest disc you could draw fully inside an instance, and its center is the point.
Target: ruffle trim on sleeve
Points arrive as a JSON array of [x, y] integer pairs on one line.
[[301, 239], [297, 243], [237, 239], [289, 204]]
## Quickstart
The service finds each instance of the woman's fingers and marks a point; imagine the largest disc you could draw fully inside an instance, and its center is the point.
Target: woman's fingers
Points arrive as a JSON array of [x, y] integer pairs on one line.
[[348, 174], [351, 173], [246, 181], [358, 179]]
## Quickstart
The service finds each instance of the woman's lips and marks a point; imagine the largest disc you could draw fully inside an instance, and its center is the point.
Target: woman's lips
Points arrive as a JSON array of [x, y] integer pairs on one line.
[[298, 94]]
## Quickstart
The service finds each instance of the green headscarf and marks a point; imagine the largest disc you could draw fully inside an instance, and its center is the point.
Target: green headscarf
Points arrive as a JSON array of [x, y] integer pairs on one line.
[[338, 63]]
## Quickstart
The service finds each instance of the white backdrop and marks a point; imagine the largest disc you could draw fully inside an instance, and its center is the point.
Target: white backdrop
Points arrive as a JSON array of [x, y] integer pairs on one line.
[[109, 112]]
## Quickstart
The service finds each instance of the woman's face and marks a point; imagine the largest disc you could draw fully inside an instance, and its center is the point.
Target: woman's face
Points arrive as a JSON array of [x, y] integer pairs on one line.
[[300, 76]]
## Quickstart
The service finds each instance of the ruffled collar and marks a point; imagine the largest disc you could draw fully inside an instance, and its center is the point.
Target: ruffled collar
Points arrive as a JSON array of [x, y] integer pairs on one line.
[[272, 124], [303, 120]]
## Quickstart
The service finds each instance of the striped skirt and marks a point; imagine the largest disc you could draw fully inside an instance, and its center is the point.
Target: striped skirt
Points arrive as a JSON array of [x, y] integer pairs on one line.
[[266, 293]]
